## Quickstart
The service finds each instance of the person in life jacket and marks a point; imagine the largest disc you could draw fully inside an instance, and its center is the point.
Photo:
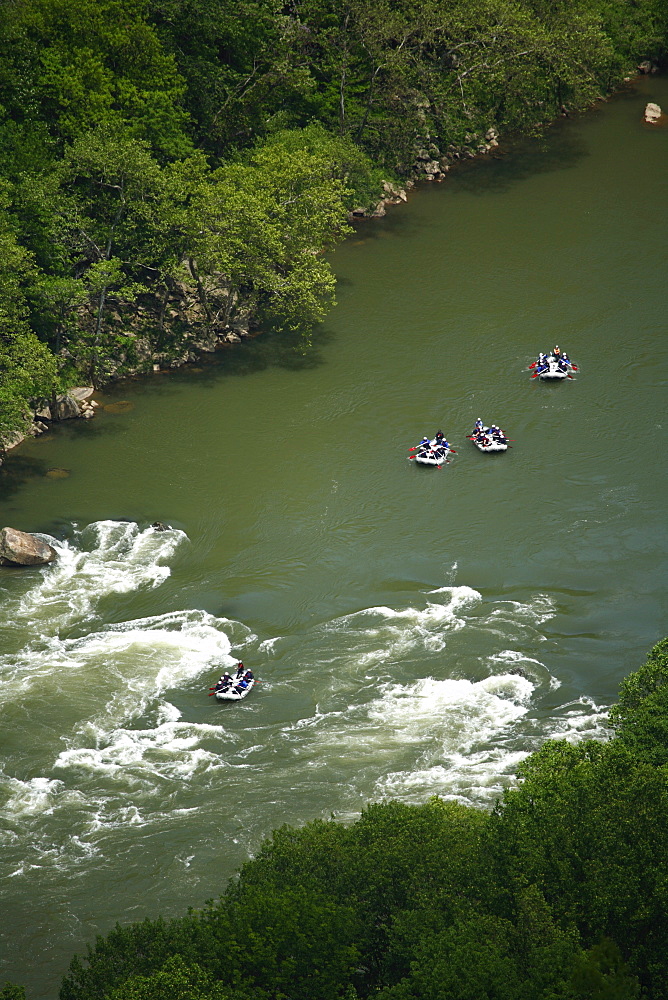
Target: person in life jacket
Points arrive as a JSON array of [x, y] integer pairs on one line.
[[223, 682], [240, 669]]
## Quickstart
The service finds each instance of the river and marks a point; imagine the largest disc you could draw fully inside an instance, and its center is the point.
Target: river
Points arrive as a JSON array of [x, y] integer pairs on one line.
[[385, 607]]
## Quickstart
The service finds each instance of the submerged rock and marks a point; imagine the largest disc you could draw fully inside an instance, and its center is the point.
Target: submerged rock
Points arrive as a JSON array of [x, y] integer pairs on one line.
[[122, 406], [18, 548]]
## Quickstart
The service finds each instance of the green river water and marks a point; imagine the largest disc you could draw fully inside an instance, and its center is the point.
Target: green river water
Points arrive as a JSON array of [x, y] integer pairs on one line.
[[384, 606]]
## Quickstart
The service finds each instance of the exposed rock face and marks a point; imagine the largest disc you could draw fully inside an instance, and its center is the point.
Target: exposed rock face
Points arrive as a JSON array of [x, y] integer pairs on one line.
[[652, 113], [18, 548], [66, 408]]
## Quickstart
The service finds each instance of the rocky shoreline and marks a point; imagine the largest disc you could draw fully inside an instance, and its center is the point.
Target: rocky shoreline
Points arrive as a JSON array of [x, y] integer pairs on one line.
[[74, 404]]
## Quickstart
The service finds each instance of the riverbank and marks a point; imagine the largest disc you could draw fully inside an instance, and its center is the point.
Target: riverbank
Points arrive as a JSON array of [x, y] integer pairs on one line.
[[184, 309], [136, 237]]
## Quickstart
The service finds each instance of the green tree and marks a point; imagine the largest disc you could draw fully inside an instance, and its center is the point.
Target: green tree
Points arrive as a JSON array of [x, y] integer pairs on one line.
[[28, 370], [264, 224], [174, 981], [588, 827], [77, 65], [10, 991], [640, 719]]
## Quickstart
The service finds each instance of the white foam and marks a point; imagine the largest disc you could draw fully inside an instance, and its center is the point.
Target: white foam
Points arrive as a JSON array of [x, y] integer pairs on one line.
[[579, 719], [539, 609], [478, 779], [380, 634], [127, 669], [36, 797], [268, 645], [108, 557], [130, 664], [457, 712], [513, 659], [167, 751]]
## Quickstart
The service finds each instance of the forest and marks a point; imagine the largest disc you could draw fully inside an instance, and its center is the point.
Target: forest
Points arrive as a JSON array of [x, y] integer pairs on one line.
[[173, 171], [559, 893]]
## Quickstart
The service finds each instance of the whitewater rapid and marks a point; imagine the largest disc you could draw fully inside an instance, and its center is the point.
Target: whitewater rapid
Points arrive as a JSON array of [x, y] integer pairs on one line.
[[383, 702]]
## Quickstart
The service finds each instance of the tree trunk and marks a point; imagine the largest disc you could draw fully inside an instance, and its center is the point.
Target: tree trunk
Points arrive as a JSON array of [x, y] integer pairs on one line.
[[164, 304], [369, 102], [342, 85], [96, 339], [201, 291]]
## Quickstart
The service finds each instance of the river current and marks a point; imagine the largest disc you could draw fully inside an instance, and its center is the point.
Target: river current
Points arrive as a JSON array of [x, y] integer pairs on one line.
[[415, 631]]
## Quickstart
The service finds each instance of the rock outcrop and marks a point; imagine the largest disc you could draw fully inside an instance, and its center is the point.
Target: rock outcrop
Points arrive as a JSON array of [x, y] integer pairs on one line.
[[18, 548]]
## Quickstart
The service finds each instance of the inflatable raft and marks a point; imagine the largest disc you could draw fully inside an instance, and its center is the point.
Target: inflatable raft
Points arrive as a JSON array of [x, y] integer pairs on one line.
[[234, 692], [556, 369], [431, 452], [554, 366], [488, 438]]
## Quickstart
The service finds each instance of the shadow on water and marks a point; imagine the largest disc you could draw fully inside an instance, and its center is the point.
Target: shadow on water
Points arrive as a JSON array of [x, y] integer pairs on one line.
[[520, 159], [19, 468], [268, 350], [15, 473], [558, 145]]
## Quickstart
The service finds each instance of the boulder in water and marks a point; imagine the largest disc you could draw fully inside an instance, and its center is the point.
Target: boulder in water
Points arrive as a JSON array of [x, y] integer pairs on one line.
[[652, 113], [18, 548]]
